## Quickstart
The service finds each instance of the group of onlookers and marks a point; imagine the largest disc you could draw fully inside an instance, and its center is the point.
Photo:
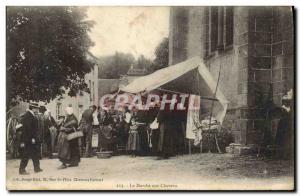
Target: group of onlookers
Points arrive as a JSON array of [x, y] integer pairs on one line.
[[151, 132]]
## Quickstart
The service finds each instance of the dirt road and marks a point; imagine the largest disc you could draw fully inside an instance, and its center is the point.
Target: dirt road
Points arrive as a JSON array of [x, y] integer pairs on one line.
[[197, 171]]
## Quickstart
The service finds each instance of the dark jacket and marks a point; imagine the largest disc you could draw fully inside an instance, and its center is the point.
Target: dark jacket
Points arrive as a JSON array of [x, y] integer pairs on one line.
[[48, 122], [87, 116], [29, 128], [40, 127]]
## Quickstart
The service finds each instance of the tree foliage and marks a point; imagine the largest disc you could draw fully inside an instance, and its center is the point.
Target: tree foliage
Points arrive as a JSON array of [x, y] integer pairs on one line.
[[46, 51], [143, 63], [161, 55]]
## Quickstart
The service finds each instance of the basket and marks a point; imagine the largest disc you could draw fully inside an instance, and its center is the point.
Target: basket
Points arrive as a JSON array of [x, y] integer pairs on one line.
[[104, 154], [74, 135]]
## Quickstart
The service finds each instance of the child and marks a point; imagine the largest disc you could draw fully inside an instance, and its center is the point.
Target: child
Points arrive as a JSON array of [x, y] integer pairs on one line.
[[133, 144]]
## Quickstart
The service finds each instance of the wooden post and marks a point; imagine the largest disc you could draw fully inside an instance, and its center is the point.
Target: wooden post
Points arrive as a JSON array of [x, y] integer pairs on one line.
[[190, 147], [217, 144], [212, 107]]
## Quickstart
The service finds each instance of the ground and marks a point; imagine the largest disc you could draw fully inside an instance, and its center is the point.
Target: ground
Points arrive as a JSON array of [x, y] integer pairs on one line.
[[197, 171]]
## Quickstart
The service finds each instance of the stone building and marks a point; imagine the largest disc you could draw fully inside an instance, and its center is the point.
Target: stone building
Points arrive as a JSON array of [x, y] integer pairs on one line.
[[252, 47]]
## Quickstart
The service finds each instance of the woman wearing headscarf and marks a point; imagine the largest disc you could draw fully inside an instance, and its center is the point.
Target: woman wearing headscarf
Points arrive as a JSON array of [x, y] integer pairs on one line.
[[68, 150]]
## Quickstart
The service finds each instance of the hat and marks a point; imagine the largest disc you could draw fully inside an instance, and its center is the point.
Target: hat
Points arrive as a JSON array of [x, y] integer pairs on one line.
[[288, 96], [34, 104], [43, 109]]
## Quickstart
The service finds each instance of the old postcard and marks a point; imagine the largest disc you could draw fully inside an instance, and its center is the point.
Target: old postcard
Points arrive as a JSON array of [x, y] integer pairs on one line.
[[150, 98]]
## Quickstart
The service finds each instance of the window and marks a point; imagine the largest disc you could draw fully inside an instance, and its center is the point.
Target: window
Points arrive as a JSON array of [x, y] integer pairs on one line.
[[220, 28], [213, 28], [228, 26]]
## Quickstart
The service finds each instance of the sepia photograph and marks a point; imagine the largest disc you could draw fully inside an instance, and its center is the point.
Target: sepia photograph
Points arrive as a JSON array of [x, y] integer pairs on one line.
[[150, 98]]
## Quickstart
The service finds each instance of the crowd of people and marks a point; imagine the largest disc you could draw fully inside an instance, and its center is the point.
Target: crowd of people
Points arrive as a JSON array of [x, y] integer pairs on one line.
[[152, 132], [136, 133]]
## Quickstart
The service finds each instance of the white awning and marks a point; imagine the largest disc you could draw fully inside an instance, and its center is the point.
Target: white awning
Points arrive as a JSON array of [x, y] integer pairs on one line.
[[163, 76]]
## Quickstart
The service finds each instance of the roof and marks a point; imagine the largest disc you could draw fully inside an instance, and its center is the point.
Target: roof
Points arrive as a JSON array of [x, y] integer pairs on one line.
[[93, 58]]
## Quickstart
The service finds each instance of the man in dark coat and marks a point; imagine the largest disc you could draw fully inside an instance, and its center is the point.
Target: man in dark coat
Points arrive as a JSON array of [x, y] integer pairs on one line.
[[167, 134], [28, 146], [87, 129]]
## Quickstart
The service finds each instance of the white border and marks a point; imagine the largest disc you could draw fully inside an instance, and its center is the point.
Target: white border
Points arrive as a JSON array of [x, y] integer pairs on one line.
[[110, 3]]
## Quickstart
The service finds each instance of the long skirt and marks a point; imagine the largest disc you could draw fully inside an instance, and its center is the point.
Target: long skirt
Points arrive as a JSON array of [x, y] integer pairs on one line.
[[154, 140], [123, 133], [167, 139], [68, 151], [133, 143], [144, 140], [106, 139]]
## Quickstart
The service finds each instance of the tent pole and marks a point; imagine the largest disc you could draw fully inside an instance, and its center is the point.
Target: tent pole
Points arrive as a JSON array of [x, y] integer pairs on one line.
[[211, 111], [190, 147], [198, 87]]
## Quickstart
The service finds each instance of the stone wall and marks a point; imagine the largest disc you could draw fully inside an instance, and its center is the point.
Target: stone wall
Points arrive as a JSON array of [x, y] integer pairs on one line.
[[269, 52], [259, 60], [255, 71], [282, 53], [178, 34]]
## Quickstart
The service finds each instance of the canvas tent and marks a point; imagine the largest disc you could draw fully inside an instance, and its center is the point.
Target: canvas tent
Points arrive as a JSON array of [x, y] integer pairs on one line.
[[193, 77]]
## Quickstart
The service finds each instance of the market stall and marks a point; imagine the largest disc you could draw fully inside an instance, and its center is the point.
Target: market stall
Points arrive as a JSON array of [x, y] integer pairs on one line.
[[193, 78]]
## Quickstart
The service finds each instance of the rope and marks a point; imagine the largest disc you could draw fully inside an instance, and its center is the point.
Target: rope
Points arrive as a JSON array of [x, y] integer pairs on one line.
[[171, 91]]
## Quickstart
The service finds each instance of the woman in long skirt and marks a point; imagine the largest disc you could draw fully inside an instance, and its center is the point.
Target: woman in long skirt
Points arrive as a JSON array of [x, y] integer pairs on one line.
[[167, 134], [68, 151]]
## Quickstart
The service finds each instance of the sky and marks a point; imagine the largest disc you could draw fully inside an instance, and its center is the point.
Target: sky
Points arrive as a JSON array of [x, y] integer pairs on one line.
[[136, 30]]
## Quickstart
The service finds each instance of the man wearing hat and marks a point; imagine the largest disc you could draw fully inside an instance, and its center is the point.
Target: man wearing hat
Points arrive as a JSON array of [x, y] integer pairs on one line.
[[87, 129], [28, 146]]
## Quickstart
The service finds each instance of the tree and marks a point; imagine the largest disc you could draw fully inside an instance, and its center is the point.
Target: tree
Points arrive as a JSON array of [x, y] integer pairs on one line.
[[161, 55], [46, 52], [143, 63], [116, 65]]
